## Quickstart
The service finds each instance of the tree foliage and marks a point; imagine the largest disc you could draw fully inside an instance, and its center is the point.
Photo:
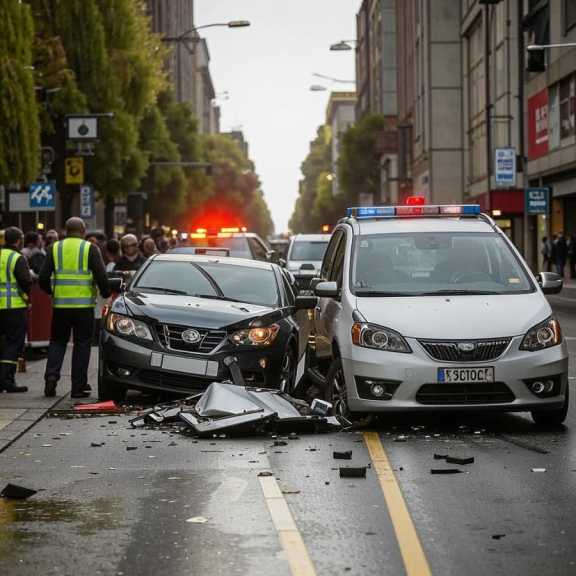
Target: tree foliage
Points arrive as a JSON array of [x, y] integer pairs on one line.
[[19, 119]]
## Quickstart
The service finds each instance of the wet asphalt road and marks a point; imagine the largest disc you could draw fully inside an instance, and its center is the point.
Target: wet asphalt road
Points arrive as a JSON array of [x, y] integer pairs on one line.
[[113, 511]]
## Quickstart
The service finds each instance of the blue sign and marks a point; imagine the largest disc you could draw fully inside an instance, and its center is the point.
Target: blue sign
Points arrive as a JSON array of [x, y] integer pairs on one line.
[[537, 201], [87, 202], [505, 167], [42, 195]]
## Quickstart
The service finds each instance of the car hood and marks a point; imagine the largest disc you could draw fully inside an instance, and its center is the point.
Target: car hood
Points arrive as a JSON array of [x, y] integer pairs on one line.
[[457, 317], [190, 311]]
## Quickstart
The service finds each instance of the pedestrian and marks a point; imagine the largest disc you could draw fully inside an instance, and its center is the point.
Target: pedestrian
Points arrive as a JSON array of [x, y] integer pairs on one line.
[[572, 256], [111, 254], [33, 251], [561, 254], [131, 258], [15, 285], [74, 266], [546, 252], [49, 239], [148, 247]]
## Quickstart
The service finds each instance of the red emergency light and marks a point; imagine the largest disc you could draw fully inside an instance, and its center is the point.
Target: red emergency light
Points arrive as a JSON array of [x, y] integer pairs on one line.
[[415, 201]]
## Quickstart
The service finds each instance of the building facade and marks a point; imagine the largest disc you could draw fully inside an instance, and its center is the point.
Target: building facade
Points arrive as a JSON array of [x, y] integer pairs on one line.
[[340, 115]]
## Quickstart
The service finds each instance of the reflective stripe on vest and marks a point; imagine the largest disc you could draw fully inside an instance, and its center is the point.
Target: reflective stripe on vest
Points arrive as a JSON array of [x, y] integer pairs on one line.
[[73, 285], [11, 297]]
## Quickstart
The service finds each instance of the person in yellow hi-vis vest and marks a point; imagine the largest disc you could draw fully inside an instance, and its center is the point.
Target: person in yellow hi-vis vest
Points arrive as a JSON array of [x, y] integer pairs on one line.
[[73, 269], [15, 284]]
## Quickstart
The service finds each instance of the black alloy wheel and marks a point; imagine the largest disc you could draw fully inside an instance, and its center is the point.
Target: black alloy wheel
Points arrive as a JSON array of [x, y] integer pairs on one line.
[[336, 389], [552, 417], [288, 371]]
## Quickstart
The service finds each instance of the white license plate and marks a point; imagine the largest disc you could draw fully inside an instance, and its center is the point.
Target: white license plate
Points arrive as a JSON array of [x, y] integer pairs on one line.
[[191, 366], [467, 375]]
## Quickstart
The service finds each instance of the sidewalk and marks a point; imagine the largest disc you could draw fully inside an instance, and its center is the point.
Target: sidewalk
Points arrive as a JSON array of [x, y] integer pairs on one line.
[[19, 412]]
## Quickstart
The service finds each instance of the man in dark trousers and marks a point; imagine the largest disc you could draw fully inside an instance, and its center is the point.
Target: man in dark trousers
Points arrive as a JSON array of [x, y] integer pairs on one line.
[[73, 269], [15, 284]]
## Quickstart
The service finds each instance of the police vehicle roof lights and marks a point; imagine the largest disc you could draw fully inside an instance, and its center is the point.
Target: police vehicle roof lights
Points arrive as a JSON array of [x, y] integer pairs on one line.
[[412, 209]]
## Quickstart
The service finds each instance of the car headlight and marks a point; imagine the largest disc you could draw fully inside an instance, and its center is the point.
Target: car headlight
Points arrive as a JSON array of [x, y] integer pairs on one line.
[[264, 336], [127, 327], [379, 338], [543, 335]]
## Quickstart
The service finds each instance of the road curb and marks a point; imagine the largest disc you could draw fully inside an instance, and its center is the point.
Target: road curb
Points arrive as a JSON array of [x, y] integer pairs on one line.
[[20, 425]]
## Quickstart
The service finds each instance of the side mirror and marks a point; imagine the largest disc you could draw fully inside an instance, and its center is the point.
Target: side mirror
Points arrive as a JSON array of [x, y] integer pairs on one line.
[[306, 302], [314, 282], [116, 285], [550, 282], [282, 262], [272, 256], [327, 290]]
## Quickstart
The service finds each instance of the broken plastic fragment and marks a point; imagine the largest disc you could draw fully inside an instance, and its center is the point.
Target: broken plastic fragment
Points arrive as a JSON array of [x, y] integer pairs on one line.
[[445, 471], [342, 455], [15, 492], [320, 407], [538, 469], [197, 520], [107, 407], [459, 461], [348, 472]]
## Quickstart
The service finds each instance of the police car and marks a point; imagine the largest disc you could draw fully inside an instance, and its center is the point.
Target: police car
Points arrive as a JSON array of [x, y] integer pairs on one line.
[[432, 307]]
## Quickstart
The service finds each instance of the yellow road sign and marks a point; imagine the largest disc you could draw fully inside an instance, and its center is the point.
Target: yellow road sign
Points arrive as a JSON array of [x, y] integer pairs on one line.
[[74, 170]]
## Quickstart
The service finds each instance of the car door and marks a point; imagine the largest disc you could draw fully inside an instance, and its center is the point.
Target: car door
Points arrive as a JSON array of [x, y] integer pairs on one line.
[[324, 312], [258, 249]]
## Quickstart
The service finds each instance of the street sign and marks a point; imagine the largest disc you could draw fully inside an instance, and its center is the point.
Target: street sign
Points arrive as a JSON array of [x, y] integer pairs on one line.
[[505, 167], [41, 195], [74, 170], [537, 201], [82, 127], [87, 202]]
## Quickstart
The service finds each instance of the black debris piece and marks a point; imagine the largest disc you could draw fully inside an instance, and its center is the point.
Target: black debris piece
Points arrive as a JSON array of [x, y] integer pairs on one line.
[[445, 471], [349, 472], [265, 474], [280, 443], [498, 536], [15, 492], [342, 455], [130, 448], [96, 444], [459, 461], [441, 456]]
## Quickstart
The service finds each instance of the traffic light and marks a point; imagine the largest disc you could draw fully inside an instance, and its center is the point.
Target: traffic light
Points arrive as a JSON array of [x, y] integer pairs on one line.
[[536, 60]]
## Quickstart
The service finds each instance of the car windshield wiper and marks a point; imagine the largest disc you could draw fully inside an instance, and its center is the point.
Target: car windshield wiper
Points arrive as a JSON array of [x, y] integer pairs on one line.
[[380, 293], [217, 297], [165, 290], [461, 293]]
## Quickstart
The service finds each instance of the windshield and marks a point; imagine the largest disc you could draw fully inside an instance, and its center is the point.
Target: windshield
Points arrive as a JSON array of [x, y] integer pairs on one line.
[[238, 247], [210, 280], [436, 264], [312, 251]]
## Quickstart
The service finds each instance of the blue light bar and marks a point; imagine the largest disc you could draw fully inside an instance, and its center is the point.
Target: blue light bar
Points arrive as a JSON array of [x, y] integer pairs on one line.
[[375, 212]]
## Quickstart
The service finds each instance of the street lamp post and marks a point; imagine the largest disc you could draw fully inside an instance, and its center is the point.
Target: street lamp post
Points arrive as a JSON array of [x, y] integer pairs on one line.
[[186, 37]]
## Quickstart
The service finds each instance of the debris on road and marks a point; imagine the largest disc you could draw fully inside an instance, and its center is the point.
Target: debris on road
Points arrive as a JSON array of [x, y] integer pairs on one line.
[[349, 472], [538, 469], [498, 536], [99, 407], [15, 492], [459, 461], [445, 471], [197, 520], [342, 455]]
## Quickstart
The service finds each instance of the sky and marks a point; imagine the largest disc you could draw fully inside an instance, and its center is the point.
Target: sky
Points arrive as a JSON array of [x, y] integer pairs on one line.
[[267, 69]]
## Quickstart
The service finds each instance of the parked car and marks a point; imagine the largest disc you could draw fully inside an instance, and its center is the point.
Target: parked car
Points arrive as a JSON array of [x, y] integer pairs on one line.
[[184, 315], [304, 257], [432, 307]]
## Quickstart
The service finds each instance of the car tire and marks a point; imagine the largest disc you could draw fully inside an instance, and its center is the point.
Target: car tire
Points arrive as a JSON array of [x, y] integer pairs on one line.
[[108, 390], [336, 389], [552, 417], [287, 379]]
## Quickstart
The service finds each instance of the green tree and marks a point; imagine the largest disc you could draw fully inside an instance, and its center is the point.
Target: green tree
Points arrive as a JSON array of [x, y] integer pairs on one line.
[[359, 164], [19, 119]]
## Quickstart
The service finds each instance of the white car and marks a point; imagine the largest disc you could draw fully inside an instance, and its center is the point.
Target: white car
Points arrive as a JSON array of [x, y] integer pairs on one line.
[[432, 307], [304, 257]]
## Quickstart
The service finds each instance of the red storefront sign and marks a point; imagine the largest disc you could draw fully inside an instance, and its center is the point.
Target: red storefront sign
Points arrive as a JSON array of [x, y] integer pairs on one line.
[[538, 128], [509, 202]]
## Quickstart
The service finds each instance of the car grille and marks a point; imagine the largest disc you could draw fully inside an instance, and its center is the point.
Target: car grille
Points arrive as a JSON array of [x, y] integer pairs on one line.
[[486, 393], [172, 380], [170, 337], [453, 351]]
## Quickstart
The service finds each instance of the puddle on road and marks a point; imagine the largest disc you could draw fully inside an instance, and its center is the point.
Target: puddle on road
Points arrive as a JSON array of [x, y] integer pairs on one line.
[[31, 521]]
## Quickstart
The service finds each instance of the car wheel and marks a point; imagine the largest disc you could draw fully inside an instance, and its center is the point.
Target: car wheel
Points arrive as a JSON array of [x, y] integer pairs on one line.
[[288, 371], [552, 417], [336, 389], [108, 390]]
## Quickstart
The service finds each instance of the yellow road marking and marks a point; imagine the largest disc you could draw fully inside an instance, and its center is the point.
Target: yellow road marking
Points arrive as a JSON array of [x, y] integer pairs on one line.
[[410, 547], [288, 533]]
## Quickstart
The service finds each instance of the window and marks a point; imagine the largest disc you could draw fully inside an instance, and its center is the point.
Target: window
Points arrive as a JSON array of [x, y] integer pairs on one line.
[[337, 272], [433, 263], [329, 255], [569, 14], [303, 250], [258, 249]]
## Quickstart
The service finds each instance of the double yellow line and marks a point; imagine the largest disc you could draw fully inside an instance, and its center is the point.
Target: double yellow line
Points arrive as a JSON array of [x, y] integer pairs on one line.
[[298, 557]]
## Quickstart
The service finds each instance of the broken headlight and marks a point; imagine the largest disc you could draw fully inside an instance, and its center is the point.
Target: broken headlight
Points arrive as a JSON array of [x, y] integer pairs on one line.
[[379, 338], [543, 335], [127, 327], [264, 336]]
